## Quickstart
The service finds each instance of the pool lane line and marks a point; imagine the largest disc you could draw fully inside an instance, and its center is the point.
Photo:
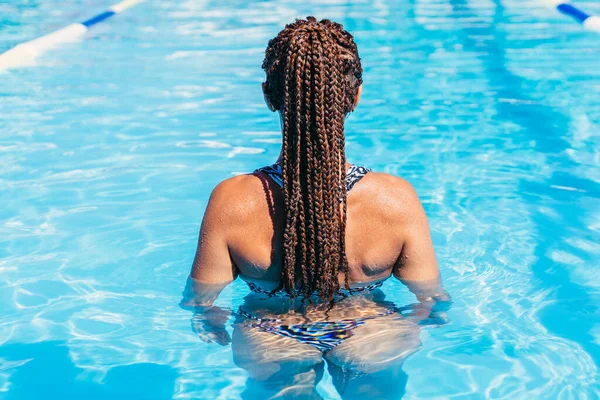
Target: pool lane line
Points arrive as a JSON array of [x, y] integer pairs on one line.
[[25, 54], [589, 22]]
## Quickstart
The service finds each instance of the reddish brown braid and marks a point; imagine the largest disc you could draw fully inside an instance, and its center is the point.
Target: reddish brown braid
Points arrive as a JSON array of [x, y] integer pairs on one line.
[[313, 75]]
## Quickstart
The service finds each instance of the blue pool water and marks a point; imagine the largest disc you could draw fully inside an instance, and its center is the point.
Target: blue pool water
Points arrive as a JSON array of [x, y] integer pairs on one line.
[[110, 147]]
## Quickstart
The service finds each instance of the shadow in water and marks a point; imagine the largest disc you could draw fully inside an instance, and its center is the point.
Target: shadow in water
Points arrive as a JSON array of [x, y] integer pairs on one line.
[[47, 371]]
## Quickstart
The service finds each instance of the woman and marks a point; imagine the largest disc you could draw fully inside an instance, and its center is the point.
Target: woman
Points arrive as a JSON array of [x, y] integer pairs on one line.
[[314, 237]]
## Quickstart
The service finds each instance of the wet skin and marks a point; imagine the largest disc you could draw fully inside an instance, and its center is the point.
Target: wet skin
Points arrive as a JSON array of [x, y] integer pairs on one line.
[[387, 234], [368, 362]]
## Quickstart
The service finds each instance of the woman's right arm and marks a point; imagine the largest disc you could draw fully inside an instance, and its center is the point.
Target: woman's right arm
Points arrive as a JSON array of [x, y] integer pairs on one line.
[[417, 266]]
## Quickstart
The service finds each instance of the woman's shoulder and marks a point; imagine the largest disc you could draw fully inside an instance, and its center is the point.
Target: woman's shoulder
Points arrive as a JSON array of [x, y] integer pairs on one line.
[[389, 193], [387, 185], [239, 194], [237, 182]]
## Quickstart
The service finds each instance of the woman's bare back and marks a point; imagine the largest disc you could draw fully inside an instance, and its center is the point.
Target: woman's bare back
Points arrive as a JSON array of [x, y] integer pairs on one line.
[[386, 232]]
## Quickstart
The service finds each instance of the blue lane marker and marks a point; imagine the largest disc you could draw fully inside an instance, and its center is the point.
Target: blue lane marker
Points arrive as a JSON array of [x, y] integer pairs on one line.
[[98, 18], [571, 11], [25, 54]]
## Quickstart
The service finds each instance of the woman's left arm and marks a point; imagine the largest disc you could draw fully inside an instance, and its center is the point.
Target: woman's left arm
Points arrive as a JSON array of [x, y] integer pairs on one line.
[[212, 263], [212, 270], [208, 321]]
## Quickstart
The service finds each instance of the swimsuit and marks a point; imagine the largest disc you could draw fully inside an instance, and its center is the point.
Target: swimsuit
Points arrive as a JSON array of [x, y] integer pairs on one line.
[[324, 335], [257, 289], [353, 175]]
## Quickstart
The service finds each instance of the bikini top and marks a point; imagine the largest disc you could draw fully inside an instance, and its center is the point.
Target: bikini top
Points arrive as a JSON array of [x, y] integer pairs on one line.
[[343, 291], [354, 174]]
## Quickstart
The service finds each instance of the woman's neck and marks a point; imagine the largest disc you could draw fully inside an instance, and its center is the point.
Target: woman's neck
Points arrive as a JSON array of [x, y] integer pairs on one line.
[[280, 160]]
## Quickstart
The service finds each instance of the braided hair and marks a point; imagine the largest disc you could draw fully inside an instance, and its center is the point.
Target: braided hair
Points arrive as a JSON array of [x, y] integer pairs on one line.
[[313, 76]]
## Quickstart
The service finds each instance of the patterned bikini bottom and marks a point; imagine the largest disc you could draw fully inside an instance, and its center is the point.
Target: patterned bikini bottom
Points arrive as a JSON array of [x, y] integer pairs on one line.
[[324, 335]]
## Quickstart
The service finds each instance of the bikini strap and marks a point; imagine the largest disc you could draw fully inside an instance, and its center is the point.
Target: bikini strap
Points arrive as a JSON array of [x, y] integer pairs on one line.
[[274, 171], [354, 174]]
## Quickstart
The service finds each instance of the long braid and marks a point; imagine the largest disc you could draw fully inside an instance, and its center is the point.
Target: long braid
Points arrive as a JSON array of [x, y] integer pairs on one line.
[[318, 123], [339, 139], [301, 120], [288, 279], [334, 120], [313, 75]]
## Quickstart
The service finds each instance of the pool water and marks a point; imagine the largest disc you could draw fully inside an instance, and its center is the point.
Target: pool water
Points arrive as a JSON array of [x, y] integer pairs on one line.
[[109, 149]]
